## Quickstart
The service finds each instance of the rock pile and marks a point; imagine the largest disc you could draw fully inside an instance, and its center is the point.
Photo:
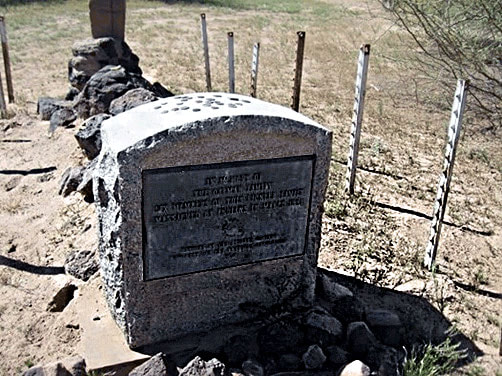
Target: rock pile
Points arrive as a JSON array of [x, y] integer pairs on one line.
[[362, 342], [106, 80]]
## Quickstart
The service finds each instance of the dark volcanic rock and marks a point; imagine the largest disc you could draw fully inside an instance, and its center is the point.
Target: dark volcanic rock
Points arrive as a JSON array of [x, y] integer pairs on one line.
[[91, 55], [314, 357], [63, 117], [131, 99], [360, 339], [103, 87], [89, 137], [155, 366], [47, 106], [199, 367], [70, 180]]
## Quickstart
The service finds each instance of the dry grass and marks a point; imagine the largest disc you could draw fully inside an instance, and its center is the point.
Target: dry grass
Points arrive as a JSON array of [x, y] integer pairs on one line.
[[403, 128]]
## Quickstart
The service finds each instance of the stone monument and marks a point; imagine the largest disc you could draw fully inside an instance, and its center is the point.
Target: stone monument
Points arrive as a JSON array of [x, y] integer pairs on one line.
[[107, 18], [209, 212]]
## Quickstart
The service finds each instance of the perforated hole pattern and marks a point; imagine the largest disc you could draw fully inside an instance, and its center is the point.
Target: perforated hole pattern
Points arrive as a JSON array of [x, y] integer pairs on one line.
[[198, 102]]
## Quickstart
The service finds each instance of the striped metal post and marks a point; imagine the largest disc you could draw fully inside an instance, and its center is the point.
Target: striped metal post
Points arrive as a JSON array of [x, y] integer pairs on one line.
[[454, 129], [254, 69], [357, 116], [205, 46]]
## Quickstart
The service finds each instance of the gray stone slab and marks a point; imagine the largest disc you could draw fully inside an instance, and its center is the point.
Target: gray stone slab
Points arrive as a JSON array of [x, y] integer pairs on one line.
[[209, 207]]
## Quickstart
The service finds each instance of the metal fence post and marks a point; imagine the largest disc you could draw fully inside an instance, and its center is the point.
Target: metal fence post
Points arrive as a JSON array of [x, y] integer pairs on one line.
[[254, 69], [298, 71], [454, 129], [231, 71], [206, 50], [357, 116]]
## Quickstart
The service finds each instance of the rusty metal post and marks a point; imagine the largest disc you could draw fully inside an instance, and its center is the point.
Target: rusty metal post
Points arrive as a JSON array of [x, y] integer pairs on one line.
[[231, 71], [3, 106], [298, 71], [206, 50], [254, 69], [357, 116], [6, 59], [454, 129]]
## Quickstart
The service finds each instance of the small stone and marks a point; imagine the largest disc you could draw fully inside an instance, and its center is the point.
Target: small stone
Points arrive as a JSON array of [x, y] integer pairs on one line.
[[62, 118], [289, 362], [81, 264], [12, 248], [252, 368], [337, 355], [356, 368], [314, 357], [62, 298], [386, 326], [155, 366], [70, 180], [360, 339], [89, 137], [12, 183], [199, 367], [325, 327], [47, 106]]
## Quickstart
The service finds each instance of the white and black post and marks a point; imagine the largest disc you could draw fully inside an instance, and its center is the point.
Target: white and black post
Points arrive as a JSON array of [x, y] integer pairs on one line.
[[231, 71], [254, 69], [205, 46], [357, 116], [454, 129]]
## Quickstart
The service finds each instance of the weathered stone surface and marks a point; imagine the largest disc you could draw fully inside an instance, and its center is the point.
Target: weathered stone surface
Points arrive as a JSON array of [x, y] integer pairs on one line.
[[85, 185], [109, 83], [70, 180], [252, 368], [89, 56], [81, 264], [71, 94], [62, 298], [323, 327], [89, 137], [47, 106], [386, 326], [256, 238], [107, 18], [199, 367], [355, 368], [314, 357], [155, 366], [360, 339], [63, 117], [131, 99]]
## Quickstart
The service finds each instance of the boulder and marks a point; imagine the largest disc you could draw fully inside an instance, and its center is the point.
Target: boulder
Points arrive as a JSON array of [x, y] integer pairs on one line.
[[109, 83], [89, 137], [155, 366], [81, 264], [63, 117], [47, 106], [199, 367], [74, 366], [131, 99], [89, 56], [314, 357]]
